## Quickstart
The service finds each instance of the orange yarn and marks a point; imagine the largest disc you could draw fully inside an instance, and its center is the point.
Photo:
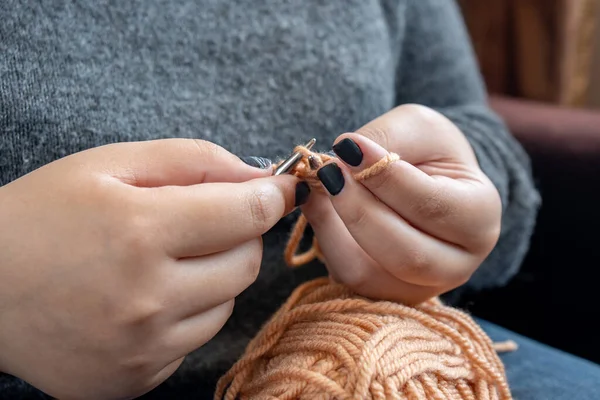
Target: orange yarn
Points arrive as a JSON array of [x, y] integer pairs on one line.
[[307, 169], [327, 342]]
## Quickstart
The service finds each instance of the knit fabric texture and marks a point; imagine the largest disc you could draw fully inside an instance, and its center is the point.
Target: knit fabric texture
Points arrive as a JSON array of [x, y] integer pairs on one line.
[[257, 77]]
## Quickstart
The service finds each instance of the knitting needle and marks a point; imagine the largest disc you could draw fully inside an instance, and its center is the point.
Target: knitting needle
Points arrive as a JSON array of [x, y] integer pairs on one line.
[[294, 159]]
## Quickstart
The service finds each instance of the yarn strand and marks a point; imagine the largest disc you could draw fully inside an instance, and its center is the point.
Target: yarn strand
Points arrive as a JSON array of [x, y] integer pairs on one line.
[[307, 169], [327, 342]]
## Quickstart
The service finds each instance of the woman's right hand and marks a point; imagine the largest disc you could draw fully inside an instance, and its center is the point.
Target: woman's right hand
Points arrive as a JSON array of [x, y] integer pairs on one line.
[[117, 262]]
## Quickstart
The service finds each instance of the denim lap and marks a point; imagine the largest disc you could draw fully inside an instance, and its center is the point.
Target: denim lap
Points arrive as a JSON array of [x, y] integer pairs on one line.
[[538, 372]]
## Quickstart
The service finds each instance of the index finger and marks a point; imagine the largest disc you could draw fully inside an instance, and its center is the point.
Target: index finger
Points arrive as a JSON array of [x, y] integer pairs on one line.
[[168, 162], [212, 217], [419, 135]]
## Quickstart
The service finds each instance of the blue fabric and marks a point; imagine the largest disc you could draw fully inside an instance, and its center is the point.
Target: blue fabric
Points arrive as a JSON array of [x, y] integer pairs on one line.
[[539, 372]]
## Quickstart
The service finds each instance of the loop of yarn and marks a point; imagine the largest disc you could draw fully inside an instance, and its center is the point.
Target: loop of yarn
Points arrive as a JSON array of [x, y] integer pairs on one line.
[[307, 169], [326, 342]]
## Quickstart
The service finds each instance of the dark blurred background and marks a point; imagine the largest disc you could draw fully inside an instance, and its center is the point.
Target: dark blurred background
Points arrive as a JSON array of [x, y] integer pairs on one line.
[[541, 63]]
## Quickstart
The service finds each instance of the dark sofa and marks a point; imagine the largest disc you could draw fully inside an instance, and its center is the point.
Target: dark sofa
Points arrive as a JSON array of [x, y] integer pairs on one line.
[[554, 298]]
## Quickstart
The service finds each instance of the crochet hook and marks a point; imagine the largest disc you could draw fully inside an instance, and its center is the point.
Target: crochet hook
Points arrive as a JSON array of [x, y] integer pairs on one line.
[[294, 159]]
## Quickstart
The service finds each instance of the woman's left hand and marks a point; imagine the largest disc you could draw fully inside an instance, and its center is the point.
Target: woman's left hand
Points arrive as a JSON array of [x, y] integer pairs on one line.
[[419, 228]]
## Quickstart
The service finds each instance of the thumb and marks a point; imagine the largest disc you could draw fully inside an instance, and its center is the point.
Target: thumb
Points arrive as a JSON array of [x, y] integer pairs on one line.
[[218, 216], [172, 162]]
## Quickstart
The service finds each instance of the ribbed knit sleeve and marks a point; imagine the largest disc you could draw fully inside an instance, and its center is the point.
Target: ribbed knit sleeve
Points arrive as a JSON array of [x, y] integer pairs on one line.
[[439, 69]]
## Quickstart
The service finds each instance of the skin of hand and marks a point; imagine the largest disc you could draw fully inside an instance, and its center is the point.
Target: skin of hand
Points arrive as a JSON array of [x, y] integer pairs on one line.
[[418, 229], [117, 262]]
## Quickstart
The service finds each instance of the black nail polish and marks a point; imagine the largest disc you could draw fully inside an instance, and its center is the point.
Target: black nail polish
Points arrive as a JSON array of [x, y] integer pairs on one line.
[[332, 178], [349, 152], [302, 192], [257, 162]]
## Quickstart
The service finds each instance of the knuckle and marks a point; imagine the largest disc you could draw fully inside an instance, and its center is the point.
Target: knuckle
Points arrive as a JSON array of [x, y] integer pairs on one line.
[[220, 315], [358, 277], [415, 267], [378, 134], [461, 274], [358, 219], [148, 311], [494, 232], [418, 261], [258, 204], [136, 237], [207, 151], [484, 227], [462, 279], [459, 269], [494, 209], [488, 239], [140, 312], [420, 112], [206, 147], [436, 205]]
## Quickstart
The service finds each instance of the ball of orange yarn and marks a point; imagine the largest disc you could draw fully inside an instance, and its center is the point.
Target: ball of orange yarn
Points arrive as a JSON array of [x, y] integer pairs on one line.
[[328, 343]]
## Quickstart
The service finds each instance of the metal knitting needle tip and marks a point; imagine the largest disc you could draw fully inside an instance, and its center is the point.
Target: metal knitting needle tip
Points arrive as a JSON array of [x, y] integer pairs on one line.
[[290, 162]]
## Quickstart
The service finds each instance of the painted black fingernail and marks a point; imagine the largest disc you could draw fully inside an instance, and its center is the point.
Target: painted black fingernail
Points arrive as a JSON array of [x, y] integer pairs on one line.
[[302, 192], [349, 152], [332, 178], [257, 162]]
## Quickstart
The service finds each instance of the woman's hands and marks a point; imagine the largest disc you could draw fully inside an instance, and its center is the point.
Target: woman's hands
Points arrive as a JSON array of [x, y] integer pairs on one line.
[[117, 262], [419, 228]]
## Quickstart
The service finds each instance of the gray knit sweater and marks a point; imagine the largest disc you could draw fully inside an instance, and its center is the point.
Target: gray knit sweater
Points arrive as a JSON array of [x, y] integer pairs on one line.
[[257, 77]]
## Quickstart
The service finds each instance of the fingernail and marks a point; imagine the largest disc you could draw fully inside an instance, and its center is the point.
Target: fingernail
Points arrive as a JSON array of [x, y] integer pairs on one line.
[[349, 152], [302, 192], [257, 162], [332, 178]]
